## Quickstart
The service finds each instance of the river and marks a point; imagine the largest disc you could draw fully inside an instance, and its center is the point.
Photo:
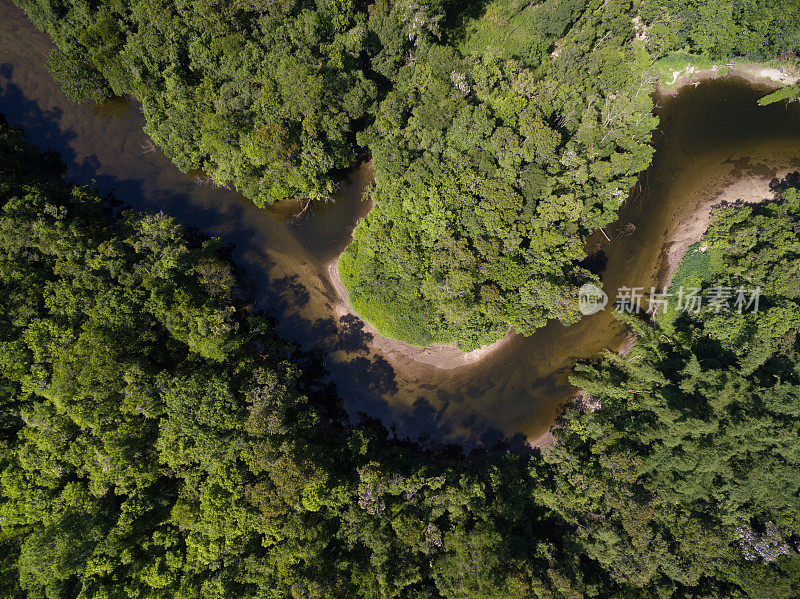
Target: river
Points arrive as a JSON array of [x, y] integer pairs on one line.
[[710, 136]]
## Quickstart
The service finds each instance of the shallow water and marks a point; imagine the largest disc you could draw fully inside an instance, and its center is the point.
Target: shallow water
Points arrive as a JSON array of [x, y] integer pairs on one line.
[[709, 137]]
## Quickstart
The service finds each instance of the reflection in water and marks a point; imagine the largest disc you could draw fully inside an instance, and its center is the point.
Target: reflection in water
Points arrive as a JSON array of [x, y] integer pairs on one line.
[[709, 136]]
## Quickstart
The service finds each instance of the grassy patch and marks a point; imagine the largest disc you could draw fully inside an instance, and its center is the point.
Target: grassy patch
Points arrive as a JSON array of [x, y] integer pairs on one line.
[[680, 61], [505, 25], [524, 29], [389, 312], [397, 320], [693, 271]]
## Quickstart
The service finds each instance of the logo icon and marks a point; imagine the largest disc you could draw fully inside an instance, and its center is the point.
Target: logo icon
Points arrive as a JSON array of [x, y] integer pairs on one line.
[[591, 299]]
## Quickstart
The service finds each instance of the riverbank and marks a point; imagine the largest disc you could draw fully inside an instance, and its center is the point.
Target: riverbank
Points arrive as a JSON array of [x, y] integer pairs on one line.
[[687, 231], [754, 72], [692, 228], [445, 356]]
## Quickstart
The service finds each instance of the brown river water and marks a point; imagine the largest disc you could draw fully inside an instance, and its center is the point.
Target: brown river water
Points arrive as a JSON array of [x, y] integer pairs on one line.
[[710, 137]]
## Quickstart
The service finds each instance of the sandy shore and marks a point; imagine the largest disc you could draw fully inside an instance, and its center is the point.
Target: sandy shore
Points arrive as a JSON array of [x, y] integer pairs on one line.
[[691, 229], [439, 355], [686, 233], [752, 72]]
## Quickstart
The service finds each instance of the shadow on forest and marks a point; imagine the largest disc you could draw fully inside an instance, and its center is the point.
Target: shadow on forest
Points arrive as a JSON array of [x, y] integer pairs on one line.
[[458, 15]]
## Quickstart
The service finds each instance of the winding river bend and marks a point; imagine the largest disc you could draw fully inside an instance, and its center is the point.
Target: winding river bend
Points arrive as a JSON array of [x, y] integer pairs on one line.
[[711, 137]]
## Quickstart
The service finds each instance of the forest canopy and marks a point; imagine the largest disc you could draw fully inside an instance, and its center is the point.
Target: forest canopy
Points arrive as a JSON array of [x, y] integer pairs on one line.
[[692, 458], [720, 29], [489, 172], [501, 132], [158, 440], [266, 97]]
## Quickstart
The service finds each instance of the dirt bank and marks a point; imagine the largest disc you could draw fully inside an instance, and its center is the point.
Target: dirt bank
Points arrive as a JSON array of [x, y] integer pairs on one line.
[[692, 228], [440, 355], [756, 73]]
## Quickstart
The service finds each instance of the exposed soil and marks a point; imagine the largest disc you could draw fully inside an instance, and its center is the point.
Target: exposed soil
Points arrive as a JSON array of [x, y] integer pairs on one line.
[[752, 190], [753, 72]]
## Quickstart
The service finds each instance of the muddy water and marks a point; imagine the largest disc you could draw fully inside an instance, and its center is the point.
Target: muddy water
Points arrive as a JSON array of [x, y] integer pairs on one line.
[[710, 136]]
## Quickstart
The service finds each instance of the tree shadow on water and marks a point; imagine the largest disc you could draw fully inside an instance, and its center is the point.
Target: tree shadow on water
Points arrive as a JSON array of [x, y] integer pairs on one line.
[[44, 128], [362, 382], [352, 336], [376, 374], [290, 288]]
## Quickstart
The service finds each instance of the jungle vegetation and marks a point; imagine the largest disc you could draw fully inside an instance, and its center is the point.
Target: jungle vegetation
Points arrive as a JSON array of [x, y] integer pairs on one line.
[[265, 96], [720, 29], [790, 93], [491, 167], [158, 440], [501, 131], [687, 472]]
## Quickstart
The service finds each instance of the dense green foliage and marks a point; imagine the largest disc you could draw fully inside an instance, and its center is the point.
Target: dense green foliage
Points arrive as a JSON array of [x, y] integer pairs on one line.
[[693, 459], [157, 440], [490, 169], [263, 95], [723, 28], [502, 132], [78, 80], [495, 155], [154, 442]]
